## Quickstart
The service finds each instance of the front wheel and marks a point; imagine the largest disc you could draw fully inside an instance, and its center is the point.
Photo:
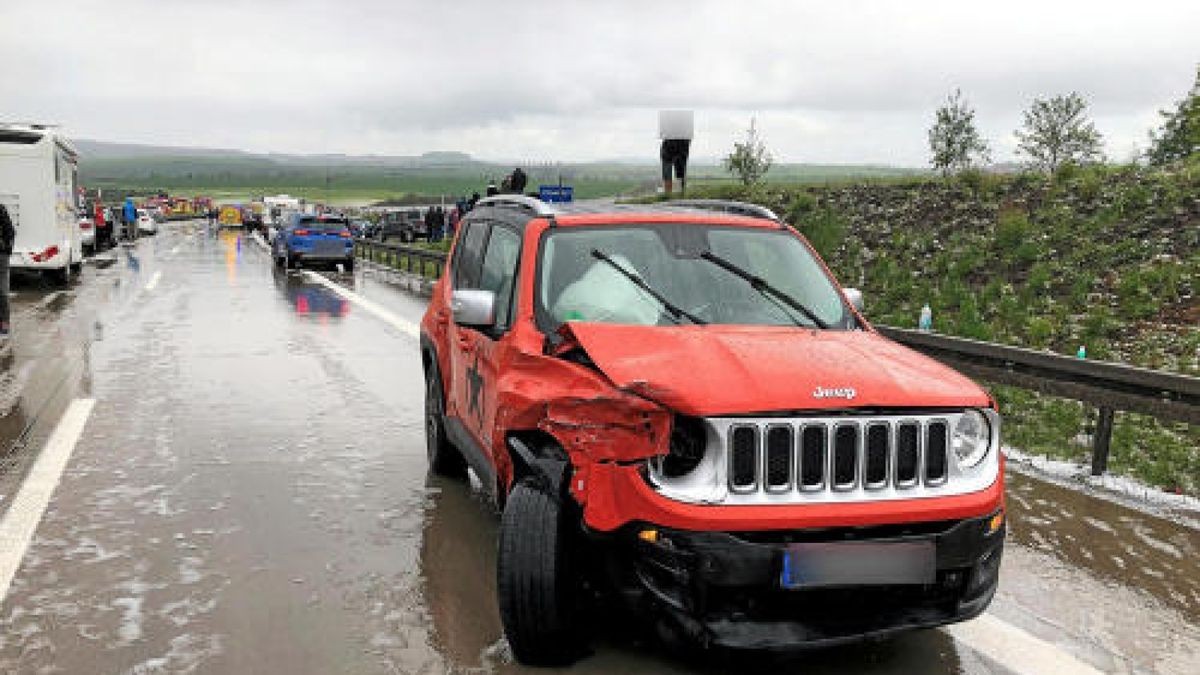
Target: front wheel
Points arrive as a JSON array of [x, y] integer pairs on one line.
[[348, 265], [536, 578]]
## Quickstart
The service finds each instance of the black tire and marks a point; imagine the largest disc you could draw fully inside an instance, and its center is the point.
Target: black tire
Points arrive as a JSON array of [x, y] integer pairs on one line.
[[444, 458], [348, 265], [536, 578]]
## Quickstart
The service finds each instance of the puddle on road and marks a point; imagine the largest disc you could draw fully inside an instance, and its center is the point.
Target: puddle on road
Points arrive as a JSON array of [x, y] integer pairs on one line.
[[309, 300], [1115, 543]]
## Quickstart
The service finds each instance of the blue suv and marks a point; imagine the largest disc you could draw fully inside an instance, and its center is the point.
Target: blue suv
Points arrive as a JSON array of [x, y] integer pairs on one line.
[[306, 239]]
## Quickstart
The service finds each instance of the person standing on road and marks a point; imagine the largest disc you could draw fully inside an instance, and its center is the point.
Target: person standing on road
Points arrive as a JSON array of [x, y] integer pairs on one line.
[[7, 234], [130, 219], [439, 222]]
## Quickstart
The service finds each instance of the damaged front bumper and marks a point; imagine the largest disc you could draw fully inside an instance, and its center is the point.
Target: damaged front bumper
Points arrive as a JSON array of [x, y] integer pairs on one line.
[[740, 590]]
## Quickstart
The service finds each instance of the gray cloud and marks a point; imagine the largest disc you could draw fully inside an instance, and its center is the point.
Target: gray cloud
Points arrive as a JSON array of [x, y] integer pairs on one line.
[[852, 81]]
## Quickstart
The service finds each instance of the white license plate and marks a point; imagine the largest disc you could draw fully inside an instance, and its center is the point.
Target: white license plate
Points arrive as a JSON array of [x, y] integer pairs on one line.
[[852, 563]]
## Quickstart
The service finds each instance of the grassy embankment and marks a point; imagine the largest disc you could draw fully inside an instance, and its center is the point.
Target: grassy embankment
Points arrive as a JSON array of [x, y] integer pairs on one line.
[[1106, 257]]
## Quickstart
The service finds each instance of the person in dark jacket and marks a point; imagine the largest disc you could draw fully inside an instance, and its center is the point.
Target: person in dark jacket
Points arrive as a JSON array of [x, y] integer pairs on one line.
[[518, 180], [7, 234]]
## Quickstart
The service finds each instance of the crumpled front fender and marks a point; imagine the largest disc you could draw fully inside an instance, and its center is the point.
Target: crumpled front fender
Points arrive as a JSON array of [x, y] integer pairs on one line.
[[583, 411]]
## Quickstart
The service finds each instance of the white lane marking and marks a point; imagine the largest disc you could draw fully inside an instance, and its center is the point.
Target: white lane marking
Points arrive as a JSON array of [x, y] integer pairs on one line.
[[23, 515], [175, 250], [388, 317], [1015, 649], [260, 241], [153, 280]]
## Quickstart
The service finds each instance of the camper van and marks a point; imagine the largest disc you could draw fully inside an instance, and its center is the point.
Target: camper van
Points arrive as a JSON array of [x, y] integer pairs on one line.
[[38, 180]]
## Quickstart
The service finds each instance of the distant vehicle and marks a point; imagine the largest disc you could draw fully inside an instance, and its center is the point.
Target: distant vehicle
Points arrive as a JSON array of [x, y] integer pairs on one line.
[[360, 228], [87, 235], [252, 218], [314, 239], [407, 225], [38, 185], [146, 223], [230, 216]]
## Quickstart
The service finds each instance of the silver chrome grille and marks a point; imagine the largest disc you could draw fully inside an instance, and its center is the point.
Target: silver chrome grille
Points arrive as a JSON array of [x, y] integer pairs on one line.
[[839, 455], [839, 458]]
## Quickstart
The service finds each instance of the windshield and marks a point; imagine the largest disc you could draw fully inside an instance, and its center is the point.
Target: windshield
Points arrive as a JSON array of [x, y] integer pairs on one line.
[[575, 285]]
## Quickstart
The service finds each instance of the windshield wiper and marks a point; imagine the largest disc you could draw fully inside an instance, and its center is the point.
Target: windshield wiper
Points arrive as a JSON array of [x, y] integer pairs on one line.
[[763, 286], [674, 310]]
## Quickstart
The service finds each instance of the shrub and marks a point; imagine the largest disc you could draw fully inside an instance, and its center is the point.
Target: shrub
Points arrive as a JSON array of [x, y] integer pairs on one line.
[[825, 230]]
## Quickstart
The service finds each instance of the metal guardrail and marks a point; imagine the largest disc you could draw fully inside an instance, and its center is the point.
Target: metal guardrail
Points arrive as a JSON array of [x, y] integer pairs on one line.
[[398, 256], [1108, 386]]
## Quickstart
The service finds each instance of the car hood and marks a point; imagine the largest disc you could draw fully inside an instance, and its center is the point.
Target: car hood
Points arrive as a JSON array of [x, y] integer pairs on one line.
[[720, 370]]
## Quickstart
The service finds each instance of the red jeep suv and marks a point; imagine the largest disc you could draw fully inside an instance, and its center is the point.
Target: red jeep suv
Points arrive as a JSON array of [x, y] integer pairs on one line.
[[678, 406]]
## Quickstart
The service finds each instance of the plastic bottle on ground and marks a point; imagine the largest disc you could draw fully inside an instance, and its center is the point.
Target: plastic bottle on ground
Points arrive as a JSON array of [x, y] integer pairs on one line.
[[925, 323]]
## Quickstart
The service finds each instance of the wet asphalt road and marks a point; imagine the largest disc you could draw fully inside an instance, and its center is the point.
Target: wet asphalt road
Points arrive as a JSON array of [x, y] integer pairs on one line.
[[250, 496]]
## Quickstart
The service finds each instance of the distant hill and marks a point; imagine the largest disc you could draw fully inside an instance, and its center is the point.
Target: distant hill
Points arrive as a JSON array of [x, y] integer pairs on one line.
[[340, 177]]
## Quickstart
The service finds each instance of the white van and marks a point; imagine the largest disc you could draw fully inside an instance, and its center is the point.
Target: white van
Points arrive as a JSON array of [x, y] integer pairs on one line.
[[38, 179]]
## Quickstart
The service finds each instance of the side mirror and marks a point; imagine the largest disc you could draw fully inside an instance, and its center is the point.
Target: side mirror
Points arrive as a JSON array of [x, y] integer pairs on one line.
[[473, 308], [855, 297]]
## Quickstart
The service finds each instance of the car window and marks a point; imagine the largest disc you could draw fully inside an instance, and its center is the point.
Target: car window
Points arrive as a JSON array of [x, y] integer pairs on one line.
[[499, 271], [467, 255]]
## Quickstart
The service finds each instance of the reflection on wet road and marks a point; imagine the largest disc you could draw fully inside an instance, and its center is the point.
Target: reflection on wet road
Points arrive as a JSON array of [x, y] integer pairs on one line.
[[250, 495]]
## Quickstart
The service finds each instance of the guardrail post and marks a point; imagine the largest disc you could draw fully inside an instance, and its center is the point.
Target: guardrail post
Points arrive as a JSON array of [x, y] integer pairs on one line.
[[1101, 441]]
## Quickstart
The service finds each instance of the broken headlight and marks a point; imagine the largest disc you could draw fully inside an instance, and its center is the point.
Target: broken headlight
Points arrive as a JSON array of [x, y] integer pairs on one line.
[[692, 468], [686, 448]]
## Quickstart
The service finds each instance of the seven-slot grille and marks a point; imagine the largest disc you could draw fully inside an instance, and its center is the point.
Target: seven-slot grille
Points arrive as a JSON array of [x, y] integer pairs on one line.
[[837, 455]]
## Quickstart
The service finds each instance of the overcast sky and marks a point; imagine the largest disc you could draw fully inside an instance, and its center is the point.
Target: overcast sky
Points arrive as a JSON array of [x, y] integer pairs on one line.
[[829, 81]]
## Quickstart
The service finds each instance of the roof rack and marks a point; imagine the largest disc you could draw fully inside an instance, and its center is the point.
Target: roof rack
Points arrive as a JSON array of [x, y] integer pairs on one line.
[[534, 204], [726, 206]]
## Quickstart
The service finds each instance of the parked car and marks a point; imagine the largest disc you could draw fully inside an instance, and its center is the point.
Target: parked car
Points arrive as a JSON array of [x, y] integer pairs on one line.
[[87, 234], [683, 407], [314, 239], [146, 223], [360, 228], [407, 226]]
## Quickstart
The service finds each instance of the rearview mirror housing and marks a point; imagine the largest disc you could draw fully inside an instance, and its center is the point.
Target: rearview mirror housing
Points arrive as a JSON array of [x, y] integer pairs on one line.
[[473, 308]]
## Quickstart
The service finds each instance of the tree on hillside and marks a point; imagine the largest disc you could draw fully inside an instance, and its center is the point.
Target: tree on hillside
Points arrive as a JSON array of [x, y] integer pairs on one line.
[[1179, 136], [1057, 131], [750, 160], [954, 141]]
